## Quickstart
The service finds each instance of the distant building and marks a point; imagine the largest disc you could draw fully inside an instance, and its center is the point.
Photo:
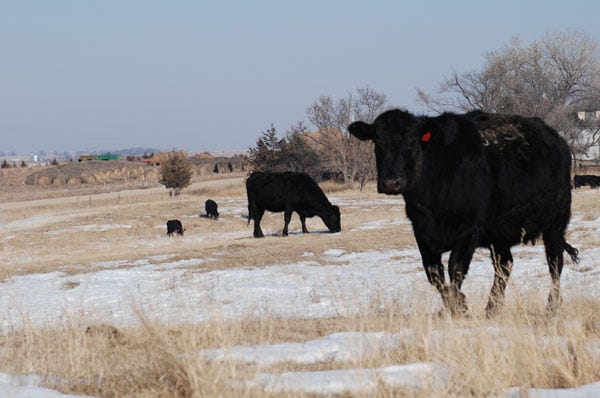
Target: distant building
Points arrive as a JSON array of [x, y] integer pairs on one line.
[[590, 134], [588, 116]]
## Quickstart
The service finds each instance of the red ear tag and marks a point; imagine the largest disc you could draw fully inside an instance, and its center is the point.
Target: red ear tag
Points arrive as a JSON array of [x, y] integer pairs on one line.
[[426, 137]]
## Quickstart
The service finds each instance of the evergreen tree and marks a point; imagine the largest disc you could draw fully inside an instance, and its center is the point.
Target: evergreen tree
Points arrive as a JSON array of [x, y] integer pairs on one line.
[[176, 172], [267, 153], [291, 153]]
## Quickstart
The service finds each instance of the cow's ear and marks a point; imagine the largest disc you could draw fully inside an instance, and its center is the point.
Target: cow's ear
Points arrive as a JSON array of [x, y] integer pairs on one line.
[[361, 130]]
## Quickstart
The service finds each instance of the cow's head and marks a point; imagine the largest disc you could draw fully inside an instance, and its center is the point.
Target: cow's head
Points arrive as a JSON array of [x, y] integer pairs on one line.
[[333, 219], [398, 152], [408, 147]]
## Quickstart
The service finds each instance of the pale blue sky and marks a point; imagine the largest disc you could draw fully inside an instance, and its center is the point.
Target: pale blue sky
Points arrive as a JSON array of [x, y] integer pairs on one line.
[[211, 75]]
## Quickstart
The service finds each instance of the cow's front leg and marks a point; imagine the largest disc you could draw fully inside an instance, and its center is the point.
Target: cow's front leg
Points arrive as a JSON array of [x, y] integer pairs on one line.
[[432, 262], [287, 217], [303, 221], [458, 267]]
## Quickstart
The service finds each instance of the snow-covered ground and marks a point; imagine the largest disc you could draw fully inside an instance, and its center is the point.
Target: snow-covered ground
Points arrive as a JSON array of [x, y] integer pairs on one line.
[[325, 284]]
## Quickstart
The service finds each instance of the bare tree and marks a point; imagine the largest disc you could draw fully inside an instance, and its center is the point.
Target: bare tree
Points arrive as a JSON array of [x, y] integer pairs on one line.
[[352, 159], [552, 78]]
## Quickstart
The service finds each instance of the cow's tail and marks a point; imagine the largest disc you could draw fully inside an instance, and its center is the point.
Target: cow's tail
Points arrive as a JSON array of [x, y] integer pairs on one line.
[[249, 216], [574, 253]]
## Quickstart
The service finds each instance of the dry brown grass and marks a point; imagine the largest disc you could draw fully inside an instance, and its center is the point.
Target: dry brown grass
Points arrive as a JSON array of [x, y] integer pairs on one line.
[[156, 360]]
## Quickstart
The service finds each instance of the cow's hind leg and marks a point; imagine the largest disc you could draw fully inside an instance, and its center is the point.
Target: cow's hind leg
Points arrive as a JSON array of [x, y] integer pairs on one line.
[[287, 217], [257, 215], [554, 254], [503, 261]]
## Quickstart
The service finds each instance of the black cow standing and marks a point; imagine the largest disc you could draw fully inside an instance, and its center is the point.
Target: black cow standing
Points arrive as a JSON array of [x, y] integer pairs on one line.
[[289, 192], [174, 226], [211, 209], [583, 180], [475, 180]]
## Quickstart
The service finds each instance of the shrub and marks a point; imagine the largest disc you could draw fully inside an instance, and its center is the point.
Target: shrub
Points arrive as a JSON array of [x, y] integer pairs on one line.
[[176, 172]]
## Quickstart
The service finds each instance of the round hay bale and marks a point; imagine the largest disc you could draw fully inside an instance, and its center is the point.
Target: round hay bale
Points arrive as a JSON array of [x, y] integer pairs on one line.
[[88, 178], [73, 181], [100, 176], [43, 180], [59, 181], [152, 174], [203, 156], [32, 179]]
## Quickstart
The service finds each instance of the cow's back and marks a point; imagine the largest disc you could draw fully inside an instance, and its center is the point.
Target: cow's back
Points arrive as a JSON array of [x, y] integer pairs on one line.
[[276, 191], [530, 165]]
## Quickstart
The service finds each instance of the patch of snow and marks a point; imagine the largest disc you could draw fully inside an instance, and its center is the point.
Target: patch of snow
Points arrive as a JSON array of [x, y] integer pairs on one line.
[[586, 391], [27, 387], [334, 252], [345, 346], [357, 381], [382, 223]]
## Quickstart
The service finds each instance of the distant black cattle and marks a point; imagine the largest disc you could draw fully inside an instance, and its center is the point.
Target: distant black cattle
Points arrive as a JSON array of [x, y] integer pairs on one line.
[[475, 180], [289, 192], [586, 180], [174, 226], [211, 209]]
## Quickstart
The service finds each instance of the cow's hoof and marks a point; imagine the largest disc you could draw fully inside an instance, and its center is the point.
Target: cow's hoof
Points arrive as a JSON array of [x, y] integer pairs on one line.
[[455, 301], [443, 313], [493, 308], [554, 303]]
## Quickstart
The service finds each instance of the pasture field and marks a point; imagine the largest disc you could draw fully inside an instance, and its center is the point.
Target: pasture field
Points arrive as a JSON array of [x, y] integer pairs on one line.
[[97, 300]]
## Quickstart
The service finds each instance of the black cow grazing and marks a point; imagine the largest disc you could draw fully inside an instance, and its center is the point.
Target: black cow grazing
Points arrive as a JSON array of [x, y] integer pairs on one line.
[[589, 180], [211, 209], [475, 180], [174, 226], [289, 192]]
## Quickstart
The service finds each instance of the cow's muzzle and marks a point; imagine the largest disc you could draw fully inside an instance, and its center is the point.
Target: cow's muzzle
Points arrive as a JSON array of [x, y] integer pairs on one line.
[[392, 186]]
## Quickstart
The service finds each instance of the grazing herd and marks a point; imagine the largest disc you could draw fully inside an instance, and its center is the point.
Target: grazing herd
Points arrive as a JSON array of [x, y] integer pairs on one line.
[[468, 180], [286, 192]]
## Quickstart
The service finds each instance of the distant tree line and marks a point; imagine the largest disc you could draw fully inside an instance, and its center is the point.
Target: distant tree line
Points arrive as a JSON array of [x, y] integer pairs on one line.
[[6, 165]]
